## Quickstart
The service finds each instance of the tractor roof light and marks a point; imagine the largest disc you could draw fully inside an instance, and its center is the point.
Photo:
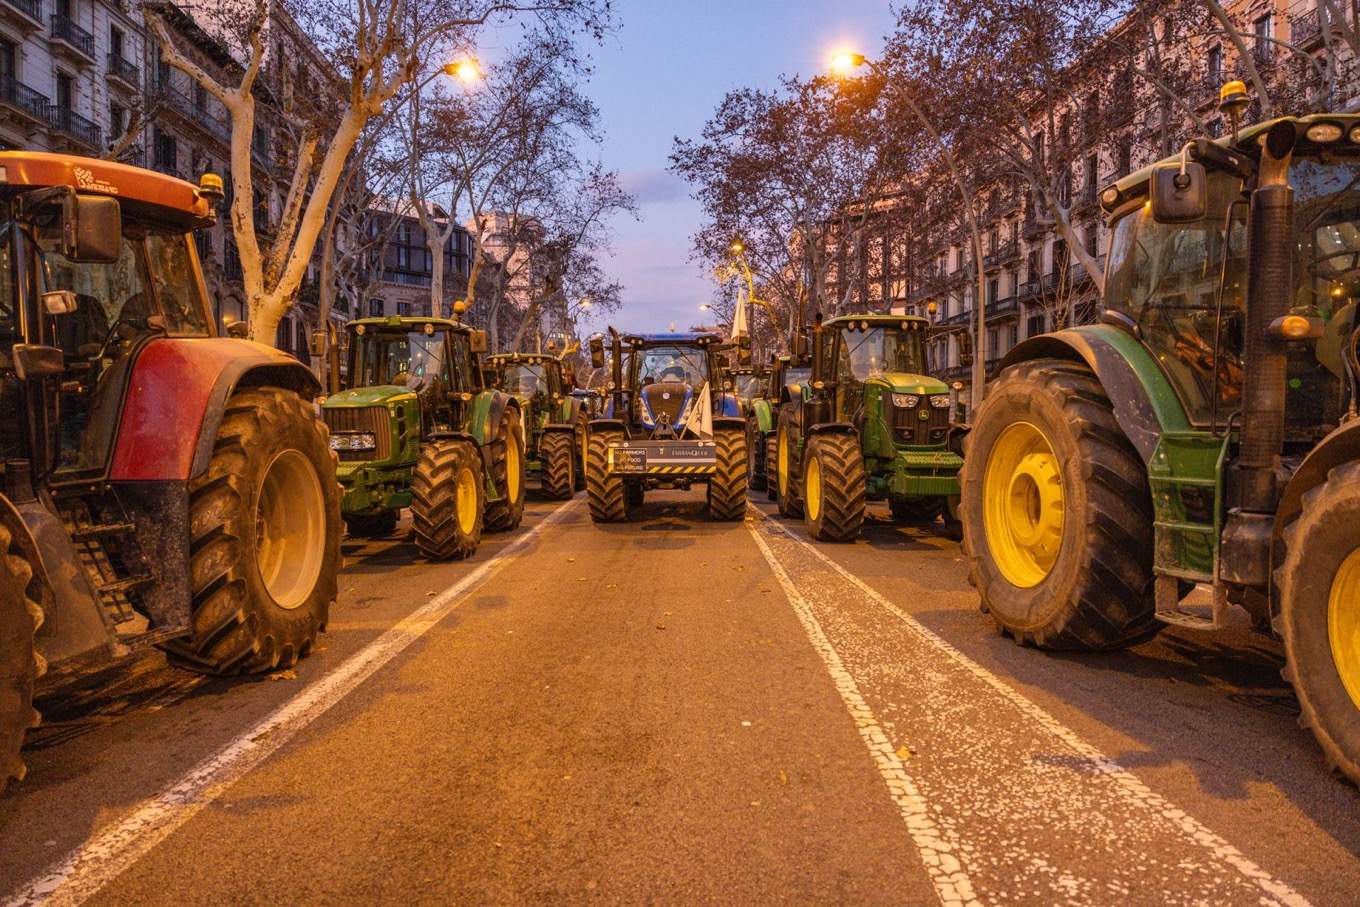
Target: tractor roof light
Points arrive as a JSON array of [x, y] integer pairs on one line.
[[1296, 327], [1323, 133], [1110, 197]]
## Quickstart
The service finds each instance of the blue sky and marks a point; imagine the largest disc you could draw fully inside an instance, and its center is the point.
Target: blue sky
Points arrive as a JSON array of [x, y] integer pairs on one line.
[[660, 76]]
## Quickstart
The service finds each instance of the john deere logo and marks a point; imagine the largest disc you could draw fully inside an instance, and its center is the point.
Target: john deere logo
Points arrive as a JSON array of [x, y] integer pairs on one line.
[[85, 179], [665, 395]]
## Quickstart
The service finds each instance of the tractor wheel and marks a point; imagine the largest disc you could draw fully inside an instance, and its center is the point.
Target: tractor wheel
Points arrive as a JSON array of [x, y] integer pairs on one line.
[[771, 443], [371, 525], [559, 465], [833, 487], [20, 664], [448, 500], [1319, 594], [786, 472], [1057, 516], [915, 510], [953, 523], [507, 474], [755, 451], [727, 486], [579, 450], [606, 493], [264, 525]]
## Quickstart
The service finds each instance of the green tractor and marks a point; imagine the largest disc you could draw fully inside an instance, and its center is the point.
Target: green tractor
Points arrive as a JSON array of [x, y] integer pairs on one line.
[[873, 426], [555, 420], [1205, 432], [784, 384], [416, 428]]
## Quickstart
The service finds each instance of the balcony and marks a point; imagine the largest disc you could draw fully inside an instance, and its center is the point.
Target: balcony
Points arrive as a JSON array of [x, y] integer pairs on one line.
[[124, 72], [1002, 308], [28, 103], [407, 278], [71, 125], [1005, 252], [71, 40], [1305, 30], [27, 14], [175, 100], [1120, 114]]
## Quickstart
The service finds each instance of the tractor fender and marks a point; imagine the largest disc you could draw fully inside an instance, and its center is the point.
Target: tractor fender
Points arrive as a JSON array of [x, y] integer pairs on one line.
[[177, 397], [730, 423], [1340, 446], [487, 409], [832, 428], [606, 425], [728, 405], [1145, 404], [559, 428], [764, 416]]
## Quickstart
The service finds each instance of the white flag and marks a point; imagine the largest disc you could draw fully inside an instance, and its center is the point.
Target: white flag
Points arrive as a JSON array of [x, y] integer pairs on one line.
[[700, 421], [739, 322]]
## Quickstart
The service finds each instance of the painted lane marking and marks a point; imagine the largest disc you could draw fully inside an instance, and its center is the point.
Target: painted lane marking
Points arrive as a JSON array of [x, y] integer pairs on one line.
[[1072, 784], [99, 861], [937, 847]]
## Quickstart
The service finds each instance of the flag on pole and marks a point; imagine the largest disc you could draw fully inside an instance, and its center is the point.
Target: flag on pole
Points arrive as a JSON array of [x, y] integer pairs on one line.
[[740, 327]]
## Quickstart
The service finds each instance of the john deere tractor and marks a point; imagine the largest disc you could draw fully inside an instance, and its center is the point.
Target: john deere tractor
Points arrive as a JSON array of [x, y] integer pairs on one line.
[[416, 428], [159, 485], [1205, 432], [873, 426], [555, 423], [783, 385], [671, 420]]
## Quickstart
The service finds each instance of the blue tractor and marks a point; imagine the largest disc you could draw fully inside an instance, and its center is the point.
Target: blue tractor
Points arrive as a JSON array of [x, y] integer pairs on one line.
[[671, 419]]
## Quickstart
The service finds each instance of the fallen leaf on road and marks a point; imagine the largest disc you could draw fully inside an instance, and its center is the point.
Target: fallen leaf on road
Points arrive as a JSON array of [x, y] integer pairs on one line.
[[429, 595], [755, 802], [783, 777], [571, 560], [904, 752], [283, 675], [746, 724]]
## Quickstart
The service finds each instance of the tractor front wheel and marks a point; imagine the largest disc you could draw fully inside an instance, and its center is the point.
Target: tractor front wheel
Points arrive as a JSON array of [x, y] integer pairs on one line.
[[20, 664], [833, 487], [1319, 594], [786, 471], [755, 448], [559, 461], [1057, 515], [727, 485], [448, 500], [606, 492], [507, 475], [264, 525]]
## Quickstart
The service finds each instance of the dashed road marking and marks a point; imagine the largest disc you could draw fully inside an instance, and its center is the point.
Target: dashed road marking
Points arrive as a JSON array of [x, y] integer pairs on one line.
[[1083, 783], [102, 859]]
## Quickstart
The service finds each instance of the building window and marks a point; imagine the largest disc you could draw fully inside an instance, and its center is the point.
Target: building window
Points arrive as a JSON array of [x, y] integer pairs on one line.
[[404, 257], [1264, 29], [375, 308], [166, 152], [1125, 157], [117, 43], [1214, 63], [117, 121], [992, 289], [403, 308]]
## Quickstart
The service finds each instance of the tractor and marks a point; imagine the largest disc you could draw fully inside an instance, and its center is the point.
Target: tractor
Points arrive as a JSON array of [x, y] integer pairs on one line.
[[1205, 431], [784, 385], [555, 421], [159, 485], [415, 427], [670, 420], [748, 381], [873, 425]]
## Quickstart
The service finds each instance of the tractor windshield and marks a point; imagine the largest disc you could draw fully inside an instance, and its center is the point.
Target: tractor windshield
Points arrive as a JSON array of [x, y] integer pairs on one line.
[[413, 360], [672, 363], [747, 386], [880, 350], [795, 379], [524, 379]]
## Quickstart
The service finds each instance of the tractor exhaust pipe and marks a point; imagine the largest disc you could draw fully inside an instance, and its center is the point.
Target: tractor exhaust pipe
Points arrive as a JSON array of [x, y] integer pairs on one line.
[[1245, 550], [616, 344]]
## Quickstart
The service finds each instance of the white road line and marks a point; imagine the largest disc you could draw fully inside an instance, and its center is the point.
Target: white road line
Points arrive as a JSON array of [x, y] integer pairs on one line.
[[1126, 783], [936, 845], [99, 861]]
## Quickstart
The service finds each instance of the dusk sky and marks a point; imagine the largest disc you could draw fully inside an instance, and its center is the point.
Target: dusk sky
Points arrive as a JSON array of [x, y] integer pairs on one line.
[[661, 75]]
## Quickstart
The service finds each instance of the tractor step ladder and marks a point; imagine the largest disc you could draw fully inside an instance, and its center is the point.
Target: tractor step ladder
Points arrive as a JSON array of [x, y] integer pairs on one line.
[[1184, 476], [107, 550], [1170, 609], [93, 531]]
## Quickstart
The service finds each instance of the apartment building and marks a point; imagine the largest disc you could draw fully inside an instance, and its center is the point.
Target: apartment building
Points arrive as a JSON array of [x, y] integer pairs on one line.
[[399, 273]]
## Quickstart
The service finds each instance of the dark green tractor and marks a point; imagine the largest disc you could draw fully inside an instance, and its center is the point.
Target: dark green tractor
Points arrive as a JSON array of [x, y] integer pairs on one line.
[[783, 384], [415, 427], [1205, 432], [874, 426], [555, 423]]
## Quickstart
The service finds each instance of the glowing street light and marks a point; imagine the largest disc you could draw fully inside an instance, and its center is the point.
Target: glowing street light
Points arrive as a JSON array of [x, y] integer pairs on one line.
[[467, 70], [845, 62]]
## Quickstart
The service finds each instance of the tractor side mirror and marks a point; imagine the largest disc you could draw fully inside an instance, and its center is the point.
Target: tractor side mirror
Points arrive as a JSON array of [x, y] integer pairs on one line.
[[92, 229], [597, 351], [1179, 193], [478, 342], [60, 302], [34, 361], [239, 329]]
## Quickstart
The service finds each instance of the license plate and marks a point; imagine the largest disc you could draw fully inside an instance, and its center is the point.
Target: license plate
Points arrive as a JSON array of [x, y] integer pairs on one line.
[[629, 459]]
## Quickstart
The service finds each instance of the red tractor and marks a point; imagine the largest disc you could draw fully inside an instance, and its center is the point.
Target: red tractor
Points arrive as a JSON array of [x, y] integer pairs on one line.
[[159, 485]]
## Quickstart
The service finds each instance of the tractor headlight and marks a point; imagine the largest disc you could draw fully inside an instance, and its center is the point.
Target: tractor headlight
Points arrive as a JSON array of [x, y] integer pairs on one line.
[[354, 440], [940, 401], [907, 400]]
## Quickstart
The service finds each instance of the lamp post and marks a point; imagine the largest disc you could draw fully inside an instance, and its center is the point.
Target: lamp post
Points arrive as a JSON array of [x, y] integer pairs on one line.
[[844, 64], [738, 252]]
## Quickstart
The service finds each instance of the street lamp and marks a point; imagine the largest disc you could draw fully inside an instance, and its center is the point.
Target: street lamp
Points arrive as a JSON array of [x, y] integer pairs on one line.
[[466, 70], [844, 64]]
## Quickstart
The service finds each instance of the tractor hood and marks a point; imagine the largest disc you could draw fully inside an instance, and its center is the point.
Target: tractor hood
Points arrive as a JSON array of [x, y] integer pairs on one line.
[[379, 395], [907, 383]]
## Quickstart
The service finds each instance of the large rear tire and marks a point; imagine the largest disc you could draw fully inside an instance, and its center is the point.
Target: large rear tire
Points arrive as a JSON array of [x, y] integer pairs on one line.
[[579, 448], [1319, 594], [264, 524], [771, 443], [448, 500], [786, 470], [1056, 511], [20, 664], [507, 475], [605, 491], [755, 450], [558, 457], [833, 487], [727, 485]]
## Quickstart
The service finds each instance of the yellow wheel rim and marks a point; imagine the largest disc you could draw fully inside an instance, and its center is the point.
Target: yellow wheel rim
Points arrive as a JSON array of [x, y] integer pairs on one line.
[[290, 529], [783, 465], [1022, 505], [1343, 624], [465, 490], [812, 488], [512, 468]]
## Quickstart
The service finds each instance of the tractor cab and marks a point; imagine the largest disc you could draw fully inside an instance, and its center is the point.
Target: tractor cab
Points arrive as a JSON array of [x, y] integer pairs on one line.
[[532, 378], [748, 382], [670, 374]]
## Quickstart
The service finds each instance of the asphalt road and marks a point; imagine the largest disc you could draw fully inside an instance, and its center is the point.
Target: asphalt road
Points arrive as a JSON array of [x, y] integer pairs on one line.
[[682, 711]]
